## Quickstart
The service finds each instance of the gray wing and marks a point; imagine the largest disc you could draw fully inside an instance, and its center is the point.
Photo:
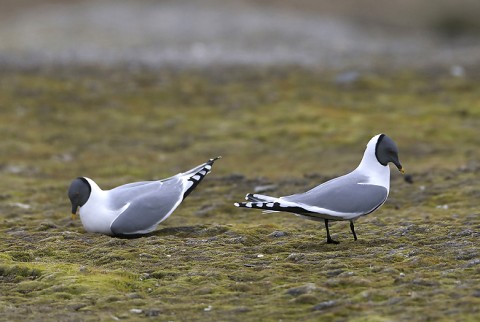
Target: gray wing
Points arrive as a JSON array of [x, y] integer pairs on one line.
[[150, 203], [346, 194]]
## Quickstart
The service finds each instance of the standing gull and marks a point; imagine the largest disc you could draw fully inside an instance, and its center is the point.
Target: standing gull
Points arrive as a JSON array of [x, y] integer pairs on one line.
[[348, 197], [135, 208]]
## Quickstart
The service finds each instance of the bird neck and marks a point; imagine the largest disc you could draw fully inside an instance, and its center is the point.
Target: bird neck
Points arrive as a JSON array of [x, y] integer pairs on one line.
[[95, 214], [377, 173], [93, 185], [95, 194]]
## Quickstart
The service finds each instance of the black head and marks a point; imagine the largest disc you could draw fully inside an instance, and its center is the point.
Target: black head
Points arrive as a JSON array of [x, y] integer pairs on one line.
[[79, 192], [386, 151]]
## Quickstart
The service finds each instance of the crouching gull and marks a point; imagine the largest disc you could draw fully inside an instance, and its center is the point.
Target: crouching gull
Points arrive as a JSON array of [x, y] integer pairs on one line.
[[348, 197], [134, 208]]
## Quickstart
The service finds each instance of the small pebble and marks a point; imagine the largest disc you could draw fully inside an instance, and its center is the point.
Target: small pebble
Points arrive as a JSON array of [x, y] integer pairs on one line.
[[78, 306], [152, 312], [305, 289], [408, 178], [21, 205], [277, 234], [295, 257], [145, 255], [133, 296], [241, 309], [136, 311], [334, 272], [324, 305]]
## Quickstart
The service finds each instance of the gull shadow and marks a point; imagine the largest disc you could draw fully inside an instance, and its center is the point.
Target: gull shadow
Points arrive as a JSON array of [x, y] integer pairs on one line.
[[182, 232]]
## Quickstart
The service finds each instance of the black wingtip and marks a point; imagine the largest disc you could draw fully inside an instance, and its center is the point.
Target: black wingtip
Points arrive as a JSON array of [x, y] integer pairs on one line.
[[211, 161], [197, 177]]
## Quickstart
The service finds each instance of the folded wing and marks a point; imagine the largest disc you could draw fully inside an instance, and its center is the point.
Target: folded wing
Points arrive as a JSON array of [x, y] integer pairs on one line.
[[148, 205], [342, 198], [151, 202]]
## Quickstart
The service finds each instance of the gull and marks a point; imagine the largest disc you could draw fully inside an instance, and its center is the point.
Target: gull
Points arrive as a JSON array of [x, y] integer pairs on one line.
[[348, 197], [135, 208]]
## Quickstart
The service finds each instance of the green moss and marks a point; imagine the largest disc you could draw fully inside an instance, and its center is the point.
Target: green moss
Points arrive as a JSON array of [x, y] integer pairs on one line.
[[416, 257], [18, 273]]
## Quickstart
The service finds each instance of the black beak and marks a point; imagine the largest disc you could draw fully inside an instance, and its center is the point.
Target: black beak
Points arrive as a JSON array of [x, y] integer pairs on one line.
[[399, 166], [74, 211]]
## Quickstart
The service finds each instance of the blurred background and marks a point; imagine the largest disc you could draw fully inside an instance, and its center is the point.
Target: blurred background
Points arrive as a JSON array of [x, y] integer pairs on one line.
[[322, 33]]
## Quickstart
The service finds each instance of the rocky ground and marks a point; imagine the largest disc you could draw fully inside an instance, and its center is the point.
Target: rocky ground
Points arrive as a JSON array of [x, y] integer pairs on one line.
[[279, 130]]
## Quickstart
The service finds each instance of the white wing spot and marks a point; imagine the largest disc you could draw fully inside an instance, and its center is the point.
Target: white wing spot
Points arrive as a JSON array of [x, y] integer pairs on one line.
[[208, 167], [270, 204], [203, 172], [196, 177], [236, 204], [189, 184], [248, 205]]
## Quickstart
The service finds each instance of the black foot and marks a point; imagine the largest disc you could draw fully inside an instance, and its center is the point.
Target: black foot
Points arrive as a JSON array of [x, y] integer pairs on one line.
[[331, 241], [352, 227]]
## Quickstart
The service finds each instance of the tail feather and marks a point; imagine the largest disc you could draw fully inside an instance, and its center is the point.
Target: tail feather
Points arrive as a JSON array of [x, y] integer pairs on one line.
[[196, 175], [285, 206], [271, 206], [258, 201]]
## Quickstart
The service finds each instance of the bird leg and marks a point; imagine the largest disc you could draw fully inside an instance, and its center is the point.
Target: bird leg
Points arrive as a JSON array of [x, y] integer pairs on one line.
[[329, 239], [352, 227]]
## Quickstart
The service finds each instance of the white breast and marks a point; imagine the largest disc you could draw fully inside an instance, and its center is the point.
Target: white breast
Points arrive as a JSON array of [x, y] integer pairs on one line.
[[96, 214]]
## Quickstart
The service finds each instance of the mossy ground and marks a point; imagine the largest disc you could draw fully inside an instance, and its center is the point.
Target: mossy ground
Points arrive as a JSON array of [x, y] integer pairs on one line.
[[417, 257]]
